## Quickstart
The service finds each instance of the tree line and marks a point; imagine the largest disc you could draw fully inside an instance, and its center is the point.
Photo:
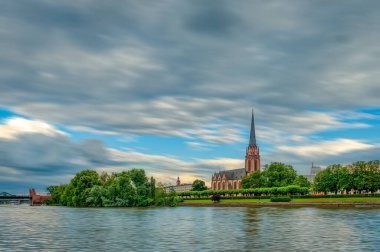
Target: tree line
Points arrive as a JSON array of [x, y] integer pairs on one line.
[[358, 177], [274, 175], [134, 188], [281, 179], [264, 191], [123, 189]]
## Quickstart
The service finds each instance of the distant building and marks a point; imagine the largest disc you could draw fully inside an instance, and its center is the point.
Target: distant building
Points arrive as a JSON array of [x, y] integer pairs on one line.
[[179, 187], [314, 170], [231, 179]]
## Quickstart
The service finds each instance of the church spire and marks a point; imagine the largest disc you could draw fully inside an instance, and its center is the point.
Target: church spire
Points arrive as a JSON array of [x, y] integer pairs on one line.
[[252, 137]]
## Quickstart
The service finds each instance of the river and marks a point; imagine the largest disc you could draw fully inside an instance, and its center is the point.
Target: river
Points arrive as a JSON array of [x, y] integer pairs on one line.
[[25, 228]]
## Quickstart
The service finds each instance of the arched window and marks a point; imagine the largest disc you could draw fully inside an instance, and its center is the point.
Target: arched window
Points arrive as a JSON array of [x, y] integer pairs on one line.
[[235, 186]]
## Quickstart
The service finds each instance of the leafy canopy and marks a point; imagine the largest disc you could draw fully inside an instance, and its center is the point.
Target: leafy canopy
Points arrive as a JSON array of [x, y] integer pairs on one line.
[[199, 185]]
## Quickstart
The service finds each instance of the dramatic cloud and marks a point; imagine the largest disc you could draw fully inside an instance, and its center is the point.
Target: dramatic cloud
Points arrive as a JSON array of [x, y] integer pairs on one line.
[[39, 154], [190, 71], [36, 153], [169, 67]]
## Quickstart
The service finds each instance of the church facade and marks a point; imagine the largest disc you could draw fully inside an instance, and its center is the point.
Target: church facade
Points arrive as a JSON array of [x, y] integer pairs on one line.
[[231, 179]]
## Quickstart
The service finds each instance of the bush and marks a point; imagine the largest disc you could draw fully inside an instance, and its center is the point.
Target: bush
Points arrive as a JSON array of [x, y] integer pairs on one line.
[[280, 199], [285, 190], [215, 197]]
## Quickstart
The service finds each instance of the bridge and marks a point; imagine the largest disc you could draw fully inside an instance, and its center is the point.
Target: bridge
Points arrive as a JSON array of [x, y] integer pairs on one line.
[[7, 198], [32, 199]]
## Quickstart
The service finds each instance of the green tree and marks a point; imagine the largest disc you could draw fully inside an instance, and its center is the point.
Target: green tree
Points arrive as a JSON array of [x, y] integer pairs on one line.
[[366, 176], [199, 185], [302, 181], [333, 179], [58, 194], [322, 181], [103, 177], [152, 188], [80, 187], [254, 180], [343, 178], [121, 192], [124, 189], [278, 174], [97, 196], [164, 198]]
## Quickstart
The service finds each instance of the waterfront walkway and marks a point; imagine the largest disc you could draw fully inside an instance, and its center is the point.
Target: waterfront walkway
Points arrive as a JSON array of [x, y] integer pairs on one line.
[[283, 204]]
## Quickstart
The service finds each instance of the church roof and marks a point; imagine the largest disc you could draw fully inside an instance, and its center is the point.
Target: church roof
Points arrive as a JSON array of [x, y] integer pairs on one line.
[[252, 137], [233, 174]]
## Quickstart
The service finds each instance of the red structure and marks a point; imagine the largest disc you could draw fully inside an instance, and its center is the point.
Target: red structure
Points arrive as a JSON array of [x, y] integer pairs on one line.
[[252, 156], [35, 199], [231, 179]]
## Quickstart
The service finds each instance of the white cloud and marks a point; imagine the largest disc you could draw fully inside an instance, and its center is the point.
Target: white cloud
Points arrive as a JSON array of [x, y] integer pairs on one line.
[[15, 126], [166, 169], [327, 148]]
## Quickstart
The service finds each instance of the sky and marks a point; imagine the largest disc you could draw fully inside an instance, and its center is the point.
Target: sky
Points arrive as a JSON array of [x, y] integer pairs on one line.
[[169, 86]]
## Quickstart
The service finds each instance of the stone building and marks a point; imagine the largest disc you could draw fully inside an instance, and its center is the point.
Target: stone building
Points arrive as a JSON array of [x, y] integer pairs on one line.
[[314, 170], [179, 187], [231, 179]]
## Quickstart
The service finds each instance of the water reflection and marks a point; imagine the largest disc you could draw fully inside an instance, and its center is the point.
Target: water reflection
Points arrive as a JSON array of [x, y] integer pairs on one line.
[[188, 229]]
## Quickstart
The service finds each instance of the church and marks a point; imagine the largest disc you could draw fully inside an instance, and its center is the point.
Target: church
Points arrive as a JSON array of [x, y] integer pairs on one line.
[[231, 179]]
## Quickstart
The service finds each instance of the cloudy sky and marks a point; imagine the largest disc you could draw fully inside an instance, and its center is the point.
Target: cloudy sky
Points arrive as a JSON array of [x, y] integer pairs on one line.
[[168, 86]]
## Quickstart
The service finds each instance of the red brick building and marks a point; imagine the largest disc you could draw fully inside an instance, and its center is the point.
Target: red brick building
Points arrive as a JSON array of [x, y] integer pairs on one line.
[[231, 179]]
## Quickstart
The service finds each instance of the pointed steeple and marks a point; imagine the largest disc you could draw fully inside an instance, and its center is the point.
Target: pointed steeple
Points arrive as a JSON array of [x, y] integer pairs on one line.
[[252, 137]]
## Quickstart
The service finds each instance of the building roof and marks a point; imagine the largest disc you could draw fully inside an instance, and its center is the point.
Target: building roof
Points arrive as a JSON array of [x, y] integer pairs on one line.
[[233, 174], [252, 136]]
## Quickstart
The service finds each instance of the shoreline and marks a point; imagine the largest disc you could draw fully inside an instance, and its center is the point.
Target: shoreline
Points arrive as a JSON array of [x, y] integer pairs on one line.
[[283, 204]]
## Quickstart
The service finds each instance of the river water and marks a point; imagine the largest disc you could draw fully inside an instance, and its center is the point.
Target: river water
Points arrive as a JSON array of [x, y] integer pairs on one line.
[[25, 228]]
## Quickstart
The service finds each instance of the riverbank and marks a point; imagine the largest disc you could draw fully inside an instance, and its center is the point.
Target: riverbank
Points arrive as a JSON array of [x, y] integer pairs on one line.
[[324, 202]]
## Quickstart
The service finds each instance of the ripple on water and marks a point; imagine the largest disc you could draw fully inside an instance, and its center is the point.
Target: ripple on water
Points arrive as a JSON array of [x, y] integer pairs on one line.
[[188, 229]]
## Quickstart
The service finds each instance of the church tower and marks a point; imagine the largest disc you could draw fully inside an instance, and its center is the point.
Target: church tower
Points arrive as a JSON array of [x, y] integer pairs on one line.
[[252, 156]]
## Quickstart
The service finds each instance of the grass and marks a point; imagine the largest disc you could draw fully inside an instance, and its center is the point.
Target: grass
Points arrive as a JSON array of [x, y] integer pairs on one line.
[[310, 200], [339, 200], [228, 201]]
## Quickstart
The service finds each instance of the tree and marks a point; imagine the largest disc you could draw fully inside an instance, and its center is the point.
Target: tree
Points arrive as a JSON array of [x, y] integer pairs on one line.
[[58, 194], [124, 189], [343, 178], [97, 196], [322, 181], [366, 176], [302, 181], [80, 187], [199, 185], [273, 175], [278, 174], [253, 180], [103, 177], [335, 178], [152, 188]]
